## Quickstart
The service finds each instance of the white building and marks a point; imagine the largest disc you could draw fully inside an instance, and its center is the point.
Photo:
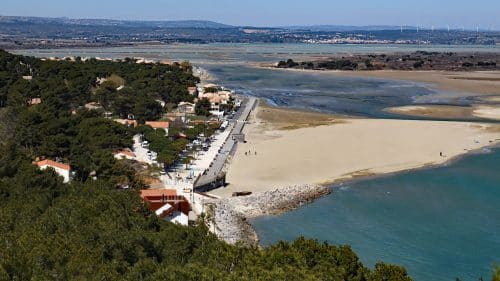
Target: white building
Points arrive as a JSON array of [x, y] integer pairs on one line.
[[186, 107], [178, 218], [63, 170]]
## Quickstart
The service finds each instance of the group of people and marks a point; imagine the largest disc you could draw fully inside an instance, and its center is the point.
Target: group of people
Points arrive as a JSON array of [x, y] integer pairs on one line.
[[249, 153]]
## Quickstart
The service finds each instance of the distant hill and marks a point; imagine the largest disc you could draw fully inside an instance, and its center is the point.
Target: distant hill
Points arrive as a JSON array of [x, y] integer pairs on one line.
[[40, 32], [344, 28], [117, 23]]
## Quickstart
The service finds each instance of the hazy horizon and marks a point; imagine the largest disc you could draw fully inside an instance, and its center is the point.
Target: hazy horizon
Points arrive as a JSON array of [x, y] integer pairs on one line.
[[260, 13]]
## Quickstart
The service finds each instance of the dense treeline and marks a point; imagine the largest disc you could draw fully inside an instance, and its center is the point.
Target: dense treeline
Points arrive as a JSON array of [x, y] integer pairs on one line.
[[89, 229], [419, 60]]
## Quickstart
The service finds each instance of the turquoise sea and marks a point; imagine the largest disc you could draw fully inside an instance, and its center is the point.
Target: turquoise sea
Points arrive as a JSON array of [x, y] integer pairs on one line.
[[439, 223]]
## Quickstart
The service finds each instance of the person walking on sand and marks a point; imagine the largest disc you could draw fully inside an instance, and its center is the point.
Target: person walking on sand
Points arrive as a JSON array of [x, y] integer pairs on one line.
[[255, 153], [246, 154], [441, 154]]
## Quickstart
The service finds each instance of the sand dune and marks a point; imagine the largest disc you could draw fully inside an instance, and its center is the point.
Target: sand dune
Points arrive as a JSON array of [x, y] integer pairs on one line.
[[345, 149]]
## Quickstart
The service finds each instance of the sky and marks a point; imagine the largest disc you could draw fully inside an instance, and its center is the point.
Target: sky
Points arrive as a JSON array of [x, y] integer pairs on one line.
[[425, 13]]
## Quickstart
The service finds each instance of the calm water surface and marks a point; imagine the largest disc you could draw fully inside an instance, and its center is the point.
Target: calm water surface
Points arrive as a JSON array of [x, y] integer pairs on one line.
[[439, 223]]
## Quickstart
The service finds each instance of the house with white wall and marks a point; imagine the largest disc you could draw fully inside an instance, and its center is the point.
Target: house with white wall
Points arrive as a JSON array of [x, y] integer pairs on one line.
[[64, 170]]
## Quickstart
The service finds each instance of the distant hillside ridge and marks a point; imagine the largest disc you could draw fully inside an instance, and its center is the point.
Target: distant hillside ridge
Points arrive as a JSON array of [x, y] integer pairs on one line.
[[113, 22]]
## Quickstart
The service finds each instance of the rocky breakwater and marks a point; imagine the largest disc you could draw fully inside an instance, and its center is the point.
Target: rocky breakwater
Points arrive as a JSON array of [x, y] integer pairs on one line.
[[228, 217]]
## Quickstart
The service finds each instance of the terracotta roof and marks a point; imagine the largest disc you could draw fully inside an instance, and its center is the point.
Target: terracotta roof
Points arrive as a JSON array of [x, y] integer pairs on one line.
[[127, 152], [54, 164], [158, 192], [132, 123], [158, 124]]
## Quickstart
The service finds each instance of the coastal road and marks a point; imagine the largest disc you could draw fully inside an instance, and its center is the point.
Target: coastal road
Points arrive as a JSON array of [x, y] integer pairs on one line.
[[236, 127]]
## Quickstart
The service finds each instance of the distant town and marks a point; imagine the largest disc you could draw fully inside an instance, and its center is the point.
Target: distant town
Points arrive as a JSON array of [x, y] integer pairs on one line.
[[33, 32]]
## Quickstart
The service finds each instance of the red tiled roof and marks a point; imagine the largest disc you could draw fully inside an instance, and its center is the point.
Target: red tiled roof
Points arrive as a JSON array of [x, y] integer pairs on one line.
[[145, 193], [158, 124], [54, 164], [127, 152]]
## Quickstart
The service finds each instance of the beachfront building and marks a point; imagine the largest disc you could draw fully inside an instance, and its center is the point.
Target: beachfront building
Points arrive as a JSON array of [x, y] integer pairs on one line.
[[216, 99], [62, 169], [125, 154], [166, 204], [186, 107], [159, 125]]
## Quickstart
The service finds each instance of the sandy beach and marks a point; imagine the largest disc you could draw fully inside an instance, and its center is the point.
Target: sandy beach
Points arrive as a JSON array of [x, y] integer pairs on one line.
[[334, 149], [434, 111], [489, 112]]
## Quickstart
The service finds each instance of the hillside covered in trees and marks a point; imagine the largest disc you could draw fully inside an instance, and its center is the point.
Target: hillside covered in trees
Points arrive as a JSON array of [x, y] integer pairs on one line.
[[91, 230]]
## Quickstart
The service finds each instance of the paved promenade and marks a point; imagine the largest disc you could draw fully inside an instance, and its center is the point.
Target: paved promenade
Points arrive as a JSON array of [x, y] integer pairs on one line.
[[236, 129]]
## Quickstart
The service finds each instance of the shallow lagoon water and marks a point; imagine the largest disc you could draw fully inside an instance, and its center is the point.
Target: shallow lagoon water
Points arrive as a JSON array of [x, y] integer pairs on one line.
[[357, 96]]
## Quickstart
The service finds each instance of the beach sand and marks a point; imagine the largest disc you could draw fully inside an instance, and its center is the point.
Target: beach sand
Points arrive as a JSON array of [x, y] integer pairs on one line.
[[491, 112], [434, 111], [335, 149]]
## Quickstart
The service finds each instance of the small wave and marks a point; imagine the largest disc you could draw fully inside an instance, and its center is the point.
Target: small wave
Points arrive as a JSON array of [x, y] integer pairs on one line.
[[486, 150], [344, 188]]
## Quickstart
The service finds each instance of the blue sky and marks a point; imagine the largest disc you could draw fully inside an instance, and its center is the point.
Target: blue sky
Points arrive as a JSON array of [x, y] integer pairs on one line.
[[458, 13]]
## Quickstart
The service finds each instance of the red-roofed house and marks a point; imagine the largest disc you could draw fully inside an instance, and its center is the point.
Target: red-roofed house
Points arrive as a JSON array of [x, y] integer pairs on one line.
[[159, 125], [63, 170], [125, 154], [34, 101], [166, 204]]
